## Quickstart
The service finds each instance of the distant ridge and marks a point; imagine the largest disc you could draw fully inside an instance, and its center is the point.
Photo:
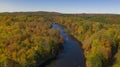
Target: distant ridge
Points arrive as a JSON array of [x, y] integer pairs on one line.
[[33, 13], [52, 13]]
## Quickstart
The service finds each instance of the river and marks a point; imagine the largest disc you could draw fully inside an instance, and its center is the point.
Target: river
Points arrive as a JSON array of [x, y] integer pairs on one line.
[[71, 56]]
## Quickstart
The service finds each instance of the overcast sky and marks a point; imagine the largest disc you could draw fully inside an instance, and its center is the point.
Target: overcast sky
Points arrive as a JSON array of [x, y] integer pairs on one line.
[[63, 6]]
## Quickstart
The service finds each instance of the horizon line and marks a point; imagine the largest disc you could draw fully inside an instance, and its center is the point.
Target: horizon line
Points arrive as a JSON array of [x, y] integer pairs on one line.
[[60, 12]]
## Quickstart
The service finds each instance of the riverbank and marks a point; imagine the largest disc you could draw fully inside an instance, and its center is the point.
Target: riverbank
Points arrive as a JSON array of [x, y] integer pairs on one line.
[[71, 55]]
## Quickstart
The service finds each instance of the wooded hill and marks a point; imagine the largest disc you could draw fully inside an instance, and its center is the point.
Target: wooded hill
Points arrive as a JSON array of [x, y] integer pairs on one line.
[[27, 36]]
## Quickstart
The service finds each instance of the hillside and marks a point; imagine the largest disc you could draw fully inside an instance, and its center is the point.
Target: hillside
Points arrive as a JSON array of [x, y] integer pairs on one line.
[[26, 38]]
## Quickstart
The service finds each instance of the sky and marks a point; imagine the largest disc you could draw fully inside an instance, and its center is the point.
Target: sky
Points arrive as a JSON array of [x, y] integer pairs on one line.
[[63, 6]]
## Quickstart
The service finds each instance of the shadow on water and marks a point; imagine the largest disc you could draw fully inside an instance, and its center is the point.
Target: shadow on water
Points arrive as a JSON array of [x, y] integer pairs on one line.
[[71, 56], [47, 62]]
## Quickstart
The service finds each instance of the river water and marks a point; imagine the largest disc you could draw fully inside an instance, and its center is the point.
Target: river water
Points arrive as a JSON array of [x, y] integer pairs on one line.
[[71, 56]]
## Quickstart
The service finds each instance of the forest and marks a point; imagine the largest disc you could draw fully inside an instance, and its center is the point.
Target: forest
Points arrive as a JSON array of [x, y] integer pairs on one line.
[[100, 37], [27, 40]]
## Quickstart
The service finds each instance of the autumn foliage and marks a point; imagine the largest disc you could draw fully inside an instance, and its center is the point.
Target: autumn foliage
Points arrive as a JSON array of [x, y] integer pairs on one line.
[[27, 43], [26, 39]]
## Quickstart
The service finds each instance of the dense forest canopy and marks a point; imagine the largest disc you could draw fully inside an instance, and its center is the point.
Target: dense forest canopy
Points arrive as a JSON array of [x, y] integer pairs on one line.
[[27, 41], [26, 38]]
